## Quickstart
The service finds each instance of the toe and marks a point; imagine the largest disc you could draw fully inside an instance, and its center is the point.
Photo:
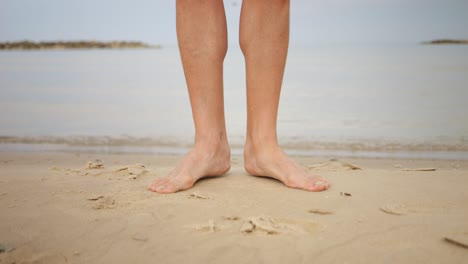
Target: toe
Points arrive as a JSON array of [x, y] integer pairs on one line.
[[170, 184], [156, 184], [161, 189], [177, 184], [166, 187], [317, 184], [151, 186]]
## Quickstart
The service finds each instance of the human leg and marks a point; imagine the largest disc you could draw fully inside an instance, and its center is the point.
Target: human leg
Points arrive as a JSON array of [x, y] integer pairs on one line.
[[264, 37], [202, 37]]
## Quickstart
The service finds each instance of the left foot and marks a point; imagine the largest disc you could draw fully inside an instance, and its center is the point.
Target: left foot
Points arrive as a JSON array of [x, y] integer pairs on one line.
[[271, 161]]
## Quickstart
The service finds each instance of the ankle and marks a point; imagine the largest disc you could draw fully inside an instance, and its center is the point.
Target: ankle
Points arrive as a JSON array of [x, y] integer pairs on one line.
[[212, 141], [213, 147], [254, 145]]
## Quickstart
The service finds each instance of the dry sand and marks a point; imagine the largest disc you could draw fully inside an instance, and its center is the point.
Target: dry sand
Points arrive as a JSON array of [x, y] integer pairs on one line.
[[58, 208]]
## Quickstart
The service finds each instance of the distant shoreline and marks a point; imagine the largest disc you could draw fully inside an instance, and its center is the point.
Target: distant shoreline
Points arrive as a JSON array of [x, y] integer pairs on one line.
[[445, 41], [64, 45], [376, 145]]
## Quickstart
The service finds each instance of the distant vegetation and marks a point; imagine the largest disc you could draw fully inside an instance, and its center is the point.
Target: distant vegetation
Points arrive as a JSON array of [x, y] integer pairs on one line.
[[30, 45], [446, 41]]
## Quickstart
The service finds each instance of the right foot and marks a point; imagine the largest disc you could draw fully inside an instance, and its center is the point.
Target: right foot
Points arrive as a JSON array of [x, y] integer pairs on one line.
[[269, 160], [202, 161]]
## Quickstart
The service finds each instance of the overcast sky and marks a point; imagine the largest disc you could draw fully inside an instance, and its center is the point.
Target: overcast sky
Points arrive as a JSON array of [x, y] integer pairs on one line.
[[312, 21]]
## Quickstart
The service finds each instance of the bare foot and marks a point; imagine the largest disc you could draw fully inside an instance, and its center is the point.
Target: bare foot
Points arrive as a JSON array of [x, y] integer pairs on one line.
[[271, 161], [202, 161]]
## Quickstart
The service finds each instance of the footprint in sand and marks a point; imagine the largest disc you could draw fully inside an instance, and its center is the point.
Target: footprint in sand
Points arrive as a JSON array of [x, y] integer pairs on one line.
[[259, 225]]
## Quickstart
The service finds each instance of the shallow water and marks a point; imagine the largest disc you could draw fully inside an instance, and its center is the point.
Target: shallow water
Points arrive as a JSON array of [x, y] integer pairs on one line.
[[399, 93]]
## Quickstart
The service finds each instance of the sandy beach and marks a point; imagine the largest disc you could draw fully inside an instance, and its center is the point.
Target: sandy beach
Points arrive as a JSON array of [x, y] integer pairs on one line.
[[59, 208]]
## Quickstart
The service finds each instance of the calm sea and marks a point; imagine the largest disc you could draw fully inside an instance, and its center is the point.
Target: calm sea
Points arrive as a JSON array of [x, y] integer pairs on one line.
[[336, 97]]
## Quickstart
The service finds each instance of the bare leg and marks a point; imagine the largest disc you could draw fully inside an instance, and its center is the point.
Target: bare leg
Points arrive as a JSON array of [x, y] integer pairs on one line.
[[264, 37], [202, 36]]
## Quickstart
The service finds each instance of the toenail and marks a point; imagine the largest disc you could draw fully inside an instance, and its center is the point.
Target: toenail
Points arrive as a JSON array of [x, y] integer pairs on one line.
[[319, 183], [162, 187]]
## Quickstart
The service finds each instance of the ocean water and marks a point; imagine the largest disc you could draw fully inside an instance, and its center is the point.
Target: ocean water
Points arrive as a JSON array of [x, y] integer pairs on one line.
[[335, 96]]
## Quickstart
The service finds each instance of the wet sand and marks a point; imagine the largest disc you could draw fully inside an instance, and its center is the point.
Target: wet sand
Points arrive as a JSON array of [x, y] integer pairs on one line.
[[59, 208]]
